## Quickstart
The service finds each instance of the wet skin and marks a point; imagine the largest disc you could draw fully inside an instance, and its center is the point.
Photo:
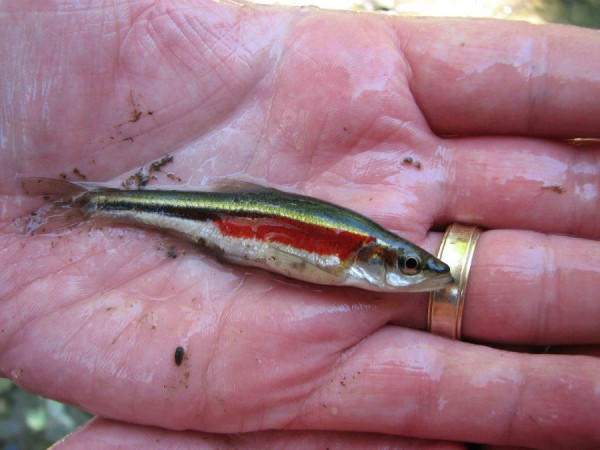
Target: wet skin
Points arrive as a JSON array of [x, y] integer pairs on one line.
[[413, 123]]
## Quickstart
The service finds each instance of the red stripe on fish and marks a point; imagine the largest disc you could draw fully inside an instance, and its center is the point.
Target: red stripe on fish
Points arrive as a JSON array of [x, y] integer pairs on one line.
[[312, 238]]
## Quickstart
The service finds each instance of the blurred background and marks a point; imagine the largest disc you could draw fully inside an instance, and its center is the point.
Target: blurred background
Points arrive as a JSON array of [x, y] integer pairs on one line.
[[29, 422], [585, 13]]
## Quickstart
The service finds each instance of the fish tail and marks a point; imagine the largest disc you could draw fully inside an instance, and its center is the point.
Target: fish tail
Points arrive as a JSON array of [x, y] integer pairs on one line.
[[64, 212]]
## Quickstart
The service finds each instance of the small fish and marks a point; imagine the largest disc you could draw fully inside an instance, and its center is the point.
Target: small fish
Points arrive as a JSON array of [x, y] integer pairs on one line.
[[294, 235]]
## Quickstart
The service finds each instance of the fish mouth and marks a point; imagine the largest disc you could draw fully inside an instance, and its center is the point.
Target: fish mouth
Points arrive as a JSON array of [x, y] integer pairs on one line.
[[435, 283], [427, 281], [438, 276], [444, 279]]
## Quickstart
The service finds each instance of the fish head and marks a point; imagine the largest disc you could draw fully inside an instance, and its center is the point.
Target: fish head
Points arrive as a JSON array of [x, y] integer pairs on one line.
[[399, 269], [418, 271]]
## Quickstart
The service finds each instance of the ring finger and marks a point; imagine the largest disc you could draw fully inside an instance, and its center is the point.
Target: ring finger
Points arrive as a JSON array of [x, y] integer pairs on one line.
[[526, 288]]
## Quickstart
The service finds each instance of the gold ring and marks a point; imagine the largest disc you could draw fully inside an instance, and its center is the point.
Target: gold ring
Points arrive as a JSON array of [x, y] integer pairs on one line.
[[446, 305]]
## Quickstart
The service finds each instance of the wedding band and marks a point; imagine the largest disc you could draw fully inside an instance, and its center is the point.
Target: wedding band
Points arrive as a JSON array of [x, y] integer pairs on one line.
[[446, 305]]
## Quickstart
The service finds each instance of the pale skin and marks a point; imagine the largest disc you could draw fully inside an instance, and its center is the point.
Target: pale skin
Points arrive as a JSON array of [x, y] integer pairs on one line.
[[363, 110]]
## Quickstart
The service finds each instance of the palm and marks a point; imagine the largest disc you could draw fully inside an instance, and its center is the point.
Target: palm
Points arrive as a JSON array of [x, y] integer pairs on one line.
[[253, 92]]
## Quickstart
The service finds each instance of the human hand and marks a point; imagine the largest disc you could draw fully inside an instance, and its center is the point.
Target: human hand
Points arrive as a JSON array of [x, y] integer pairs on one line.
[[345, 107]]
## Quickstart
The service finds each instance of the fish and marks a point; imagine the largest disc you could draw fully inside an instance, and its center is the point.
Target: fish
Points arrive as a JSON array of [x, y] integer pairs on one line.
[[297, 236]]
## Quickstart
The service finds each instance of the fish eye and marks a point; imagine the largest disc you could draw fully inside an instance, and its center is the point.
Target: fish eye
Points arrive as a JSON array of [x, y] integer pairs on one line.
[[409, 265]]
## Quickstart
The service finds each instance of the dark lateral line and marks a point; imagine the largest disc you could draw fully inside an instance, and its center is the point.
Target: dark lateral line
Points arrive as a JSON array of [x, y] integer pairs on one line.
[[172, 210]]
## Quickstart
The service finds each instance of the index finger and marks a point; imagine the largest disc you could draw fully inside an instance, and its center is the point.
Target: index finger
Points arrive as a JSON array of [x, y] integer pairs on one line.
[[495, 77]]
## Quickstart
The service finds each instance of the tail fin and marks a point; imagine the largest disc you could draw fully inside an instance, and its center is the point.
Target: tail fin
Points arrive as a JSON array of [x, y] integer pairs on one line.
[[64, 212]]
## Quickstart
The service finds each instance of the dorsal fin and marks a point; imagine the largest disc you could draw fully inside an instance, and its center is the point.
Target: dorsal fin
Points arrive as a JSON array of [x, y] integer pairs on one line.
[[50, 186], [232, 185]]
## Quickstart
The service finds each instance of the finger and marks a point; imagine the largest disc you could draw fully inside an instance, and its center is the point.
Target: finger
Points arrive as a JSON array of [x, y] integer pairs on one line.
[[416, 384], [527, 288], [107, 434], [522, 183], [499, 77]]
